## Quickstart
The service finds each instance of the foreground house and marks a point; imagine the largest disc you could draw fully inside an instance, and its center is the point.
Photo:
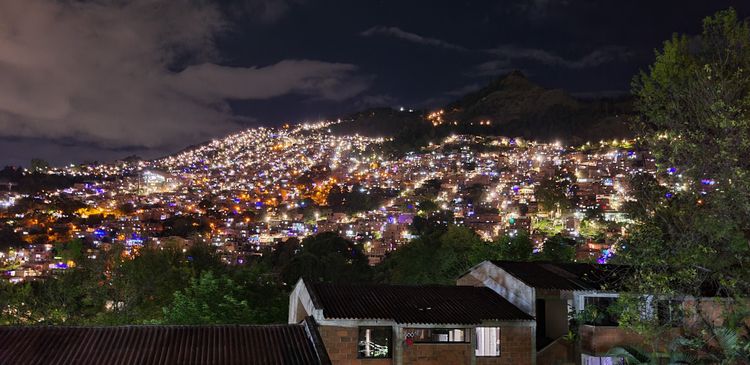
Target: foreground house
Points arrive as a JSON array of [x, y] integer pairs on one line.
[[551, 291], [398, 324], [294, 344]]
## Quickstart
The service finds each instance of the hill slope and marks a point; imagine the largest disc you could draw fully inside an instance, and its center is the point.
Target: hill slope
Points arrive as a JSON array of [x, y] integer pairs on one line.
[[514, 106]]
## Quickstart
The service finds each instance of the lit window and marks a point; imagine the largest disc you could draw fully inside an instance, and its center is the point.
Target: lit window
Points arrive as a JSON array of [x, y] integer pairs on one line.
[[374, 342], [437, 334], [488, 341]]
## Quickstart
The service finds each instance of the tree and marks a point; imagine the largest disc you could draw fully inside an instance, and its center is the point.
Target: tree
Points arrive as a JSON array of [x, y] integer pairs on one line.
[[428, 206], [75, 297], [439, 256], [328, 257], [39, 165], [141, 286], [517, 248], [209, 300], [550, 193], [691, 234], [558, 249]]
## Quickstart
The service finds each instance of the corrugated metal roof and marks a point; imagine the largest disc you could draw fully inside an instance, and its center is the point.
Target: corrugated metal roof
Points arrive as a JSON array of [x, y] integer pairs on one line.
[[565, 276], [239, 344], [414, 304]]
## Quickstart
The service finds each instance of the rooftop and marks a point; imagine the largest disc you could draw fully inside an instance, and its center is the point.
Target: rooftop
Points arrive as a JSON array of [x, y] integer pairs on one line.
[[565, 276], [424, 304], [233, 344]]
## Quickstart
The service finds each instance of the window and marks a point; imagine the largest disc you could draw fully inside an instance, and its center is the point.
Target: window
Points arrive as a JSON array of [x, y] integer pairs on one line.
[[599, 311], [597, 360], [488, 341], [374, 342], [437, 335], [669, 312]]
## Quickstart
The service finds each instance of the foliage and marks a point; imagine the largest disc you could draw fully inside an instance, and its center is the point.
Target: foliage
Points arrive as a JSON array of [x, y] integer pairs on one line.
[[115, 289], [437, 257], [551, 194], [440, 256], [694, 106], [39, 165], [558, 249], [328, 257], [428, 206], [357, 198], [75, 297], [691, 234], [591, 229], [139, 287], [184, 226], [209, 300], [548, 227]]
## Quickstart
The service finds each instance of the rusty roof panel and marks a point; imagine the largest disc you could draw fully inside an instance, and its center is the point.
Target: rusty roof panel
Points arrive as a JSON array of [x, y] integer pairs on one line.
[[431, 304], [236, 344]]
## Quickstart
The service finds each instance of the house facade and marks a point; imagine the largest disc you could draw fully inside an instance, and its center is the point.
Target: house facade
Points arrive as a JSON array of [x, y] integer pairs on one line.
[[425, 325], [552, 293]]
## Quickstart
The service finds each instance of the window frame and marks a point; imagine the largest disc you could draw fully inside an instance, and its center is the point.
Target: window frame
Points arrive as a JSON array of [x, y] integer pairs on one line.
[[674, 310], [360, 354], [466, 336], [499, 341], [607, 319]]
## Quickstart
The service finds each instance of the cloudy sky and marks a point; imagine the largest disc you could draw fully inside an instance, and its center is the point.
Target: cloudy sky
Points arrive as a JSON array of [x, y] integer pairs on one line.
[[103, 79]]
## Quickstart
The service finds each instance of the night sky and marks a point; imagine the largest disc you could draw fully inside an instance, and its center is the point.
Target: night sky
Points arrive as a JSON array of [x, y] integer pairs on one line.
[[103, 79]]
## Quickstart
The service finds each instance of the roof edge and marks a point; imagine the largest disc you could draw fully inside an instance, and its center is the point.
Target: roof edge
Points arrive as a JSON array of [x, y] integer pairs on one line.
[[311, 329]]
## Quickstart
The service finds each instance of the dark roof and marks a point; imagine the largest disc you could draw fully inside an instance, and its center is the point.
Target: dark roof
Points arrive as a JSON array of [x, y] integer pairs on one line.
[[567, 276], [238, 344], [414, 304]]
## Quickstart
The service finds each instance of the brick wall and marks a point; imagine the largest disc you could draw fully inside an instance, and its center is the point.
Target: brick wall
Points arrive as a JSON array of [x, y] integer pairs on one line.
[[515, 348], [558, 352], [600, 339], [341, 344], [515, 342], [438, 354]]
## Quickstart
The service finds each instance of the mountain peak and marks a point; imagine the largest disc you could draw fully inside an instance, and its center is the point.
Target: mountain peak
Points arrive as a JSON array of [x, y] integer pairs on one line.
[[514, 74]]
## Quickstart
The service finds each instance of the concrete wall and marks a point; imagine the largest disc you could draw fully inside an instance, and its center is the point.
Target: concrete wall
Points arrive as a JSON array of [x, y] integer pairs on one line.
[[495, 278], [301, 305]]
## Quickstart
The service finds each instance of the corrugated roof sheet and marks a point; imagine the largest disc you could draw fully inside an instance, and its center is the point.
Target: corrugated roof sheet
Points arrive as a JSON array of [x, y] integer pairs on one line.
[[414, 304], [567, 276], [240, 344]]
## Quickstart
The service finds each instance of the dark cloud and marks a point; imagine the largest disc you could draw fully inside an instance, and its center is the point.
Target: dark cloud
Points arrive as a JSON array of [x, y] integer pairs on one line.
[[509, 53], [377, 100], [410, 37], [99, 73], [264, 11], [463, 90]]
